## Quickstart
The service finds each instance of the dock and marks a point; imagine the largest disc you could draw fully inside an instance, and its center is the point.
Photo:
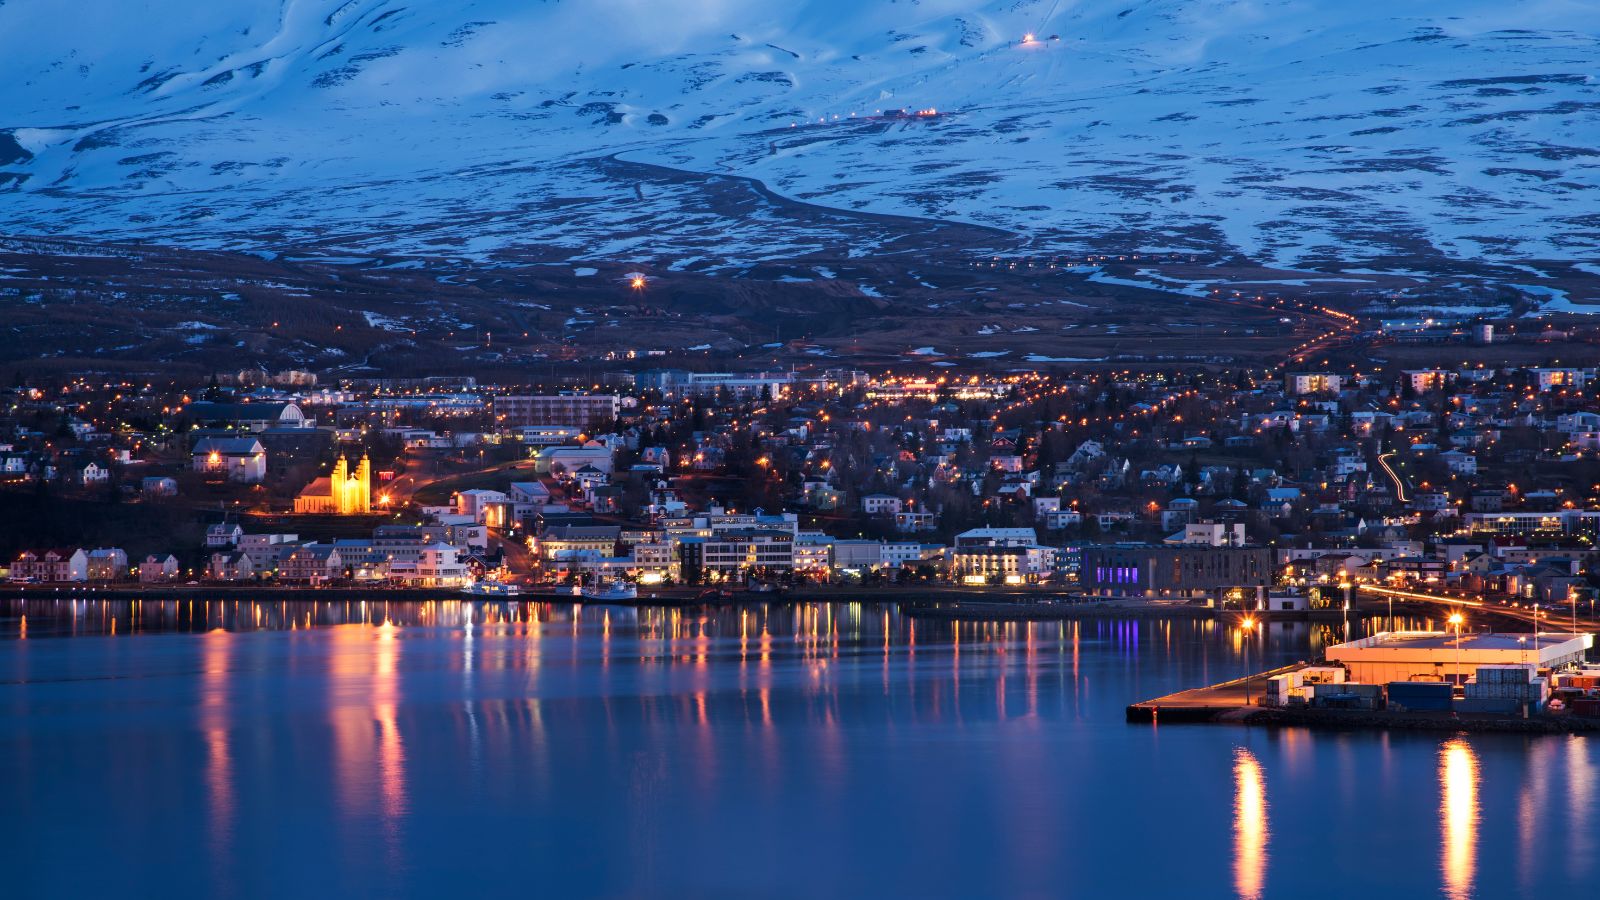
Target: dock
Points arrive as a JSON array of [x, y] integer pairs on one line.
[[1225, 703], [1047, 609], [1207, 704]]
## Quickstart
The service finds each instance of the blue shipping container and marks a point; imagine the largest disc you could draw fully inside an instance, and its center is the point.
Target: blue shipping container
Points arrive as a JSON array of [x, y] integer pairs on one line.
[[1425, 695]]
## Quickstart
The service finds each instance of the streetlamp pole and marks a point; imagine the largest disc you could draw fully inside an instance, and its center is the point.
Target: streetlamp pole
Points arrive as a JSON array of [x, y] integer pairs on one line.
[[1248, 626], [1455, 619]]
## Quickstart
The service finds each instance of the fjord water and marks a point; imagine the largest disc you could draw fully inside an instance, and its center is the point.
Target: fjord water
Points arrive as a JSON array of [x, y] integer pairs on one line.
[[489, 749]]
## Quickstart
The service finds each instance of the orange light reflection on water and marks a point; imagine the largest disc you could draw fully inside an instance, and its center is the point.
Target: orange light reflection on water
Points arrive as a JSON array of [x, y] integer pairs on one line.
[[1250, 828], [1458, 817]]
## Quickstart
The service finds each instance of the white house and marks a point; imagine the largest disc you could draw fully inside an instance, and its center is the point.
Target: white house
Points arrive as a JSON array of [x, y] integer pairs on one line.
[[223, 534], [158, 486], [232, 459], [881, 505]]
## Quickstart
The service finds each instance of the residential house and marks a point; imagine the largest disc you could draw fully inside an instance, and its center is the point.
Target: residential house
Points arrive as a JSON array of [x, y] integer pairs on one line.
[[311, 564], [157, 568], [55, 565], [107, 564]]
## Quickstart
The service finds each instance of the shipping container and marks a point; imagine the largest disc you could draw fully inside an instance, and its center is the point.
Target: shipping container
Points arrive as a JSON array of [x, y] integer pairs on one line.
[[1505, 674], [1588, 707], [1322, 675], [1420, 695], [1486, 705]]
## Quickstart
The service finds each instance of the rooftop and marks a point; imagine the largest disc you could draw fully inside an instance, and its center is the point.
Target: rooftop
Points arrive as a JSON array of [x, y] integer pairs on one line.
[[1428, 641]]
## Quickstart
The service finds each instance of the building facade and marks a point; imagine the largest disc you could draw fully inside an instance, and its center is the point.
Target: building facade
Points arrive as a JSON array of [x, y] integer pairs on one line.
[[1173, 571], [580, 410]]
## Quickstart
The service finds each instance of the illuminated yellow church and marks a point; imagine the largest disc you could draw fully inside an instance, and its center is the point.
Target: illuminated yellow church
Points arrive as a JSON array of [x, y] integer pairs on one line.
[[341, 493]]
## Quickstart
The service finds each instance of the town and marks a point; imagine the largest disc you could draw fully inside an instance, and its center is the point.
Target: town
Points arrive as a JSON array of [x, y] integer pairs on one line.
[[1266, 489]]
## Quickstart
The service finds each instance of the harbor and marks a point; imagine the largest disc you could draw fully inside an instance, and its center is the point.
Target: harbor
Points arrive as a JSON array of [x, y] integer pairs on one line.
[[1411, 680]]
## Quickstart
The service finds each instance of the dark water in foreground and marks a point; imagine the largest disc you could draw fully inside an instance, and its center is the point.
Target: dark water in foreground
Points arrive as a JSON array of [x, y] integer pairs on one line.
[[822, 750]]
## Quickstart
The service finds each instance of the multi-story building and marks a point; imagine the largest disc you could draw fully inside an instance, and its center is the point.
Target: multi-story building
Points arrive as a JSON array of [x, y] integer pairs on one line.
[[1558, 379], [51, 565], [813, 553], [433, 565], [562, 546], [735, 555], [1313, 383], [107, 564], [880, 505], [266, 551], [1173, 571], [579, 410], [311, 564], [1565, 521], [857, 556], [1009, 563], [678, 383]]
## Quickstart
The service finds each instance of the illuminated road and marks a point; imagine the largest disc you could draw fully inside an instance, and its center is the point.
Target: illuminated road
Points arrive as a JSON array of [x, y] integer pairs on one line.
[[1548, 618], [1399, 483]]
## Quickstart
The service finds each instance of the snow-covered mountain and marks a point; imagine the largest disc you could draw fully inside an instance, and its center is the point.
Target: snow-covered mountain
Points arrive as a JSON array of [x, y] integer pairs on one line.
[[1296, 132]]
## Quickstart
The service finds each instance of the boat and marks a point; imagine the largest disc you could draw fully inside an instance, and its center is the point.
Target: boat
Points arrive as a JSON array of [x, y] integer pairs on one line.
[[612, 591], [491, 589]]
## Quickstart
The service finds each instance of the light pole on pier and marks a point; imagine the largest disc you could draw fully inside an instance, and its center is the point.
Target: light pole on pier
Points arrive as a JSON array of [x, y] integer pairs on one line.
[[1248, 626]]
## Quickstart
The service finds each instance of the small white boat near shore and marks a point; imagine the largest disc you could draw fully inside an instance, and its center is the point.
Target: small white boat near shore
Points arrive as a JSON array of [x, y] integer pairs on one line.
[[612, 591]]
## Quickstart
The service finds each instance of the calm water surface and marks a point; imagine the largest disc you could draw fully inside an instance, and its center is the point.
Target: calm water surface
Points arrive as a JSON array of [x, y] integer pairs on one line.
[[491, 749]]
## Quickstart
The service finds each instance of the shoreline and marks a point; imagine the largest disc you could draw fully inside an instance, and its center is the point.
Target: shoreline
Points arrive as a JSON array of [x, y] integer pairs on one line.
[[1366, 720], [920, 602]]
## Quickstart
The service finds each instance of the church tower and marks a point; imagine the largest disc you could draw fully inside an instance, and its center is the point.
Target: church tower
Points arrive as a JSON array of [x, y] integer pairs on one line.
[[362, 487]]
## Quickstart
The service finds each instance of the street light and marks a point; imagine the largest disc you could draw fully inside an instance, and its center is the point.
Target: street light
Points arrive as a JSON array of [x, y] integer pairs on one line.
[[1456, 619], [1536, 634], [1249, 626]]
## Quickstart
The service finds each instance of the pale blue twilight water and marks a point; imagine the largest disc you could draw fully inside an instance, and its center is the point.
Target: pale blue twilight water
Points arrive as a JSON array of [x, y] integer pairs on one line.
[[487, 750]]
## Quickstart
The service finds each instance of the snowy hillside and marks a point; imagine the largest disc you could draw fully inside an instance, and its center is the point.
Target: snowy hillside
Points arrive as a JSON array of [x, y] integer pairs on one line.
[[1293, 131]]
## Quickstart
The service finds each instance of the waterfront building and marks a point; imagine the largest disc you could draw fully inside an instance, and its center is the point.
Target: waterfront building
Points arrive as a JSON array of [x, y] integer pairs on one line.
[[158, 567], [312, 564], [567, 543], [227, 565], [1192, 571], [857, 556], [1435, 655], [732, 555], [51, 565], [106, 564], [1010, 563], [813, 553], [997, 537], [266, 551]]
